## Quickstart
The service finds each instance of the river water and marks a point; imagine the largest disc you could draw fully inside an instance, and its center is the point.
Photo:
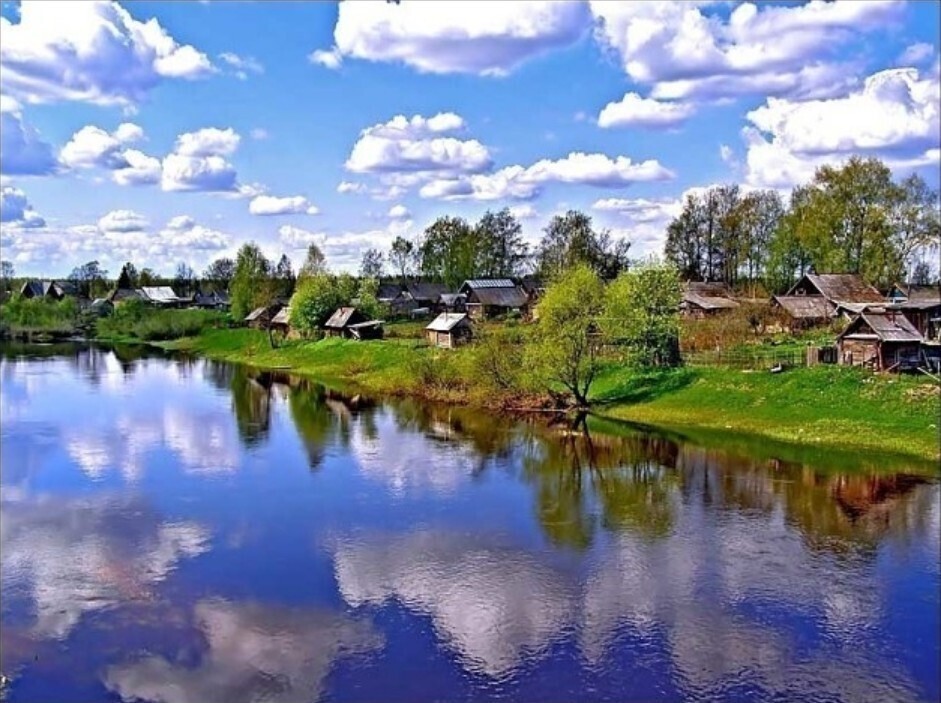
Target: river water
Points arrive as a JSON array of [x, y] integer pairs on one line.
[[186, 531]]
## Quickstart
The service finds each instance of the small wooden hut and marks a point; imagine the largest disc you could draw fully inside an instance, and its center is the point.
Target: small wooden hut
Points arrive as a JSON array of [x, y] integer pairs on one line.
[[882, 340], [261, 317], [449, 330]]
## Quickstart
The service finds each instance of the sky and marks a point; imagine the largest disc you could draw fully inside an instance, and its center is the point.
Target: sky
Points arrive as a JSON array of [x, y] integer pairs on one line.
[[161, 132]]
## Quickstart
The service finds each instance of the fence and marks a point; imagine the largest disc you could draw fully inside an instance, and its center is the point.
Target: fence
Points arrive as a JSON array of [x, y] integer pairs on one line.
[[761, 359]]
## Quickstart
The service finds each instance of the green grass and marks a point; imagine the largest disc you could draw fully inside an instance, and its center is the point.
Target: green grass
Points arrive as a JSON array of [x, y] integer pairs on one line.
[[822, 405], [819, 407]]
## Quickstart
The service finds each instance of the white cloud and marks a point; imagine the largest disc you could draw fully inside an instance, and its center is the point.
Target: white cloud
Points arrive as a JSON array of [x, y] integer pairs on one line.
[[181, 222], [577, 168], [122, 221], [896, 115], [916, 54], [635, 111], [413, 145], [242, 66], [454, 37], [524, 212], [139, 169], [640, 209], [16, 210], [90, 51], [209, 141], [272, 205], [92, 147], [399, 212], [297, 238], [198, 162], [684, 49], [328, 58], [22, 150], [349, 187]]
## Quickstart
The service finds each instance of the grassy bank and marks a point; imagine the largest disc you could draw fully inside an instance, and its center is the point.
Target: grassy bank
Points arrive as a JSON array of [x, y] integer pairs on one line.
[[824, 406]]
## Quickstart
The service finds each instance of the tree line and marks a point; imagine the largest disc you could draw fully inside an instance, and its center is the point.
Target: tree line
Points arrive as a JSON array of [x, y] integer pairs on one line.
[[849, 219]]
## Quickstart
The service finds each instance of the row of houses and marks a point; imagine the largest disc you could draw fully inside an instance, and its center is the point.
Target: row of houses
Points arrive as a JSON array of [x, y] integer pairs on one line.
[[480, 298], [158, 296]]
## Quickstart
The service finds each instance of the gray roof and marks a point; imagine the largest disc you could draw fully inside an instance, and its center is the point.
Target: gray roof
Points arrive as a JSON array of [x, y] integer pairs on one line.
[[919, 297], [450, 298], [426, 291], [446, 321], [159, 294], [709, 302], [262, 312], [342, 317], [805, 307], [124, 294], [842, 288], [715, 289], [887, 326], [283, 317], [514, 297], [475, 283]]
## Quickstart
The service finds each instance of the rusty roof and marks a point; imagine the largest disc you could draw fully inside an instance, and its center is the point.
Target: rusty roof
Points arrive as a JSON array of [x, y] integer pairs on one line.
[[805, 307], [887, 326], [843, 288]]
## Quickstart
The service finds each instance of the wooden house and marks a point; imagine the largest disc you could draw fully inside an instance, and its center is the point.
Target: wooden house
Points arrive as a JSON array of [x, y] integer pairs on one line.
[[340, 321], [161, 296], [921, 305], [119, 296], [424, 294], [53, 290], [881, 340], [704, 299], [493, 296], [449, 330], [819, 298], [214, 300], [282, 320], [451, 302], [261, 317]]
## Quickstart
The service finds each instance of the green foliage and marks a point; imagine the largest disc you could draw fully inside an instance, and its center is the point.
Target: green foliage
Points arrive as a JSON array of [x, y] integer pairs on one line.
[[372, 264], [251, 282], [366, 300], [567, 341], [501, 251], [137, 320], [641, 311], [570, 240], [498, 357], [313, 302], [448, 251], [40, 314]]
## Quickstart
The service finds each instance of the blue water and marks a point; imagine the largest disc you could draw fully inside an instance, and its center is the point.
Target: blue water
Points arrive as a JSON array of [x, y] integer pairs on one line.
[[191, 532]]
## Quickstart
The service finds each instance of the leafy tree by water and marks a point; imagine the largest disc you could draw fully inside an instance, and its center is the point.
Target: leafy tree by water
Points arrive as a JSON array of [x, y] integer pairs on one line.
[[567, 341], [185, 278], [314, 301], [90, 279], [284, 277], [449, 251], [250, 286]]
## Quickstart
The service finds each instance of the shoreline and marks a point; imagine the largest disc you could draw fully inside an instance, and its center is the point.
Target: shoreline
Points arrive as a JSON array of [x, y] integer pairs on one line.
[[821, 408]]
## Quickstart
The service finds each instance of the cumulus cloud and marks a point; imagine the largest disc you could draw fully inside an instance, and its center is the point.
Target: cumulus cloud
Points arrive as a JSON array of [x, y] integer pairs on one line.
[[415, 145], [198, 162], [297, 238], [16, 210], [92, 147], [138, 169], [577, 168], [916, 54], [92, 52], [524, 212], [640, 209], [454, 37], [182, 233], [22, 150], [634, 111], [349, 187], [242, 66], [689, 49], [399, 212], [291, 205], [122, 221], [894, 115]]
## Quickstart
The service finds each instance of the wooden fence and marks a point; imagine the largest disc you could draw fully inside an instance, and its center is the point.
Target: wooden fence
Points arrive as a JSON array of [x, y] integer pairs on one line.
[[762, 359]]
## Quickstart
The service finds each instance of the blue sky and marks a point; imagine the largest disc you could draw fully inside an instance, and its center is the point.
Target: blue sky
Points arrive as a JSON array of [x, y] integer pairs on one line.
[[166, 132]]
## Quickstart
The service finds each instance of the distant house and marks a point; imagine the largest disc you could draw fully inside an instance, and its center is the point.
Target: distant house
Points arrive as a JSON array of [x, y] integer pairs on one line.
[[340, 321], [102, 307], [921, 305], [493, 296], [425, 294], [119, 296], [451, 302], [703, 299], [281, 322], [54, 290], [818, 298], [161, 296], [395, 299], [449, 330], [214, 300], [881, 340], [534, 288], [261, 317]]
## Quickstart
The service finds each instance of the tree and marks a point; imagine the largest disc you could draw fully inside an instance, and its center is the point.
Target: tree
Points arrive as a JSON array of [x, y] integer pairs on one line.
[[501, 251], [147, 277], [314, 262], [371, 265], [6, 273], [448, 251], [284, 274], [402, 257], [220, 272], [90, 278], [788, 257], [567, 340], [316, 298], [251, 283], [367, 301], [570, 240], [917, 223], [642, 312], [184, 278], [129, 277]]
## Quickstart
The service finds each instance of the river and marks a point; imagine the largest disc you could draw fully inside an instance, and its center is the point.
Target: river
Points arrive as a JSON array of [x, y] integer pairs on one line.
[[183, 531]]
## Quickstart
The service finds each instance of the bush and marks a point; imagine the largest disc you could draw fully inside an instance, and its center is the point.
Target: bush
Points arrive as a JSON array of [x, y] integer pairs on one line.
[[40, 314], [497, 358], [137, 320]]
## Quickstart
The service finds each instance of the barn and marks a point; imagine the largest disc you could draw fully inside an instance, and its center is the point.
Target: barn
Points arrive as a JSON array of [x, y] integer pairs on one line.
[[882, 340], [449, 330]]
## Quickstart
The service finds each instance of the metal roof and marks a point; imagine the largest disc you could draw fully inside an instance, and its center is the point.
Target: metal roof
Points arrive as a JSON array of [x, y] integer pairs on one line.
[[514, 297], [489, 283], [888, 326], [450, 298], [446, 321], [159, 294]]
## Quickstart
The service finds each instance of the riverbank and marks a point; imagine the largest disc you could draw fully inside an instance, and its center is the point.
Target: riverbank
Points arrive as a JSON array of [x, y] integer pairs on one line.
[[823, 406]]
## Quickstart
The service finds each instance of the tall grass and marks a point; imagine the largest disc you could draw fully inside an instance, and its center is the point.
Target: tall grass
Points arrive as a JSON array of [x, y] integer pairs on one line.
[[134, 320], [39, 315]]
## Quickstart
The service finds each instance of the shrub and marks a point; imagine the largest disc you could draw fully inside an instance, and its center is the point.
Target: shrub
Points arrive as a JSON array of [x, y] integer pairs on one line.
[[135, 319]]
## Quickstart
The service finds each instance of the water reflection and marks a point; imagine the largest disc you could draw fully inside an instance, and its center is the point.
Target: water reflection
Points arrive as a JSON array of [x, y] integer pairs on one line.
[[612, 562]]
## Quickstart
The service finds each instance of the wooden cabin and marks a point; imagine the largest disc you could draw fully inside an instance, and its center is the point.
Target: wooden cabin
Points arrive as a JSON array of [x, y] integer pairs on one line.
[[424, 294], [449, 330], [819, 298], [451, 302], [213, 300], [921, 305], [706, 299], [340, 321], [881, 340], [489, 297], [260, 318], [161, 297]]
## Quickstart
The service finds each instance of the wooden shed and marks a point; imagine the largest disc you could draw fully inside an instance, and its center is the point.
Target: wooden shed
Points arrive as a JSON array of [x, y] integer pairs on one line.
[[493, 296], [449, 330], [704, 299], [261, 317], [340, 321], [882, 340], [921, 305], [371, 329]]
